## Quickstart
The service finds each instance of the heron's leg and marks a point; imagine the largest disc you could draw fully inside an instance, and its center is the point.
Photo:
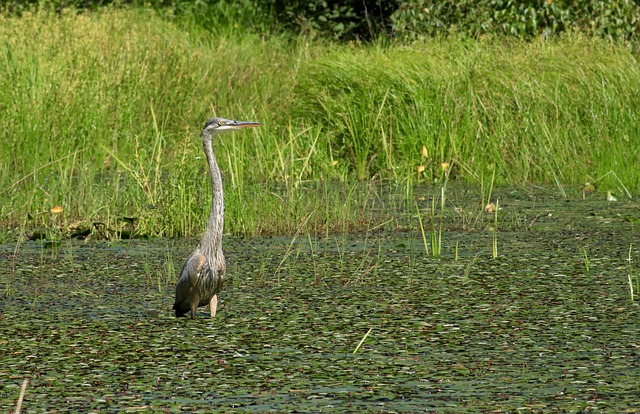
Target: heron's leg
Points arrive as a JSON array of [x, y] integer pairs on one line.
[[194, 305], [213, 305]]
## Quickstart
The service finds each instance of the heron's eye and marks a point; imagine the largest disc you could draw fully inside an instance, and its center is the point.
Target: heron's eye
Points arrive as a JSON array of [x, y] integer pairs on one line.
[[220, 123]]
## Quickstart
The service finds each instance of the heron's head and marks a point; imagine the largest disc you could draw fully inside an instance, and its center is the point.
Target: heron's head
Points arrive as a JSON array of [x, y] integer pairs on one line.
[[219, 125]]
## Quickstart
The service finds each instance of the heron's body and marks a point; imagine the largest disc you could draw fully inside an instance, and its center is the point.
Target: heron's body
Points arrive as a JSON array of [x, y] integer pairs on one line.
[[200, 281], [202, 275]]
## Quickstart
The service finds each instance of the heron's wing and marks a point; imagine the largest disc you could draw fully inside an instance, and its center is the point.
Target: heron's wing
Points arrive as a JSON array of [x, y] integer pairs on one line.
[[188, 279]]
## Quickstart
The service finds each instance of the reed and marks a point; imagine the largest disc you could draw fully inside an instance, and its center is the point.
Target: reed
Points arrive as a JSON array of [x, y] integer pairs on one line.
[[632, 289], [101, 114], [585, 258]]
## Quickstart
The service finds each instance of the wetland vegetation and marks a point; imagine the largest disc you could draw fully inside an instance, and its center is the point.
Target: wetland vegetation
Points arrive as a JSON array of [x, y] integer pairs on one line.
[[448, 225], [101, 115], [547, 325]]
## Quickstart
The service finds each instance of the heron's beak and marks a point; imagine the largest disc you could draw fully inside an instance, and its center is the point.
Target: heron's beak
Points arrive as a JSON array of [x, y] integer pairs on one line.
[[243, 124]]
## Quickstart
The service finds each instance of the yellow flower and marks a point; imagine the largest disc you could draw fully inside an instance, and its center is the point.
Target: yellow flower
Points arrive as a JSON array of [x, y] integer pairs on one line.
[[425, 154], [56, 210], [420, 168], [444, 166]]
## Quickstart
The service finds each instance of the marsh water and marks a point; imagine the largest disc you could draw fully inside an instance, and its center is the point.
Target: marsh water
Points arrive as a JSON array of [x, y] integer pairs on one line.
[[548, 325]]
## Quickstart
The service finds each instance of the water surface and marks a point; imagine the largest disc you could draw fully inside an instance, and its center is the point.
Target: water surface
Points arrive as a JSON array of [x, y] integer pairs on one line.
[[533, 330]]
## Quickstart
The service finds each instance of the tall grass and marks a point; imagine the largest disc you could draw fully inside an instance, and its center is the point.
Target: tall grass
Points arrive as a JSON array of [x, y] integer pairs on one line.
[[555, 112], [100, 114]]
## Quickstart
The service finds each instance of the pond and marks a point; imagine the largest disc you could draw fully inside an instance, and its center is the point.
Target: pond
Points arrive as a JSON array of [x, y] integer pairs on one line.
[[348, 323]]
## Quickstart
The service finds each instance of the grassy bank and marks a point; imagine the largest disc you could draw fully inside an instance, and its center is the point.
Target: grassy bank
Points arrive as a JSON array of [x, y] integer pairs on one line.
[[100, 114]]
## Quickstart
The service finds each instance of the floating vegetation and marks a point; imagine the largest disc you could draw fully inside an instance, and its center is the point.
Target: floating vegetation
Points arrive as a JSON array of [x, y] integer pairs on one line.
[[345, 323]]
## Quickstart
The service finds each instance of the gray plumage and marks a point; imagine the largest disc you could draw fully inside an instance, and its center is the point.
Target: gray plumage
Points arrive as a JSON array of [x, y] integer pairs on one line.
[[203, 273]]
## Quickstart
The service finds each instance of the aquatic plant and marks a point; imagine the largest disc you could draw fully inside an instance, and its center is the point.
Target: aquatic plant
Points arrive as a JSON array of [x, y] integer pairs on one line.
[[494, 230], [585, 258], [362, 340], [632, 289], [113, 92], [528, 323]]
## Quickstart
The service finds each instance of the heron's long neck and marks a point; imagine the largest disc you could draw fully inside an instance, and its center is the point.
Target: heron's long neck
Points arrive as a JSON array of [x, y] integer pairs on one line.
[[212, 239]]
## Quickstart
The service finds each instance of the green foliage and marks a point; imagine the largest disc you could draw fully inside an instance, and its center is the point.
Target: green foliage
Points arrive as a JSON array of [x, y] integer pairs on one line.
[[525, 19], [523, 108], [339, 19], [221, 17], [101, 114], [93, 331], [352, 19], [82, 93], [374, 19]]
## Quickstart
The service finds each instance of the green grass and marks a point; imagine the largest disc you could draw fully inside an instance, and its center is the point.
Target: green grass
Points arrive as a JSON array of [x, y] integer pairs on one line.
[[100, 114], [585, 258], [633, 290]]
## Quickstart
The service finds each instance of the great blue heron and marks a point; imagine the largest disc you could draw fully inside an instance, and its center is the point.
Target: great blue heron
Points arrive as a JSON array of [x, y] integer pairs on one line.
[[203, 272]]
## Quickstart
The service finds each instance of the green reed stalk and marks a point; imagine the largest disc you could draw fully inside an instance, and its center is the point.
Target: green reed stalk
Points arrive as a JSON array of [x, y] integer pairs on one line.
[[494, 250], [424, 236]]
